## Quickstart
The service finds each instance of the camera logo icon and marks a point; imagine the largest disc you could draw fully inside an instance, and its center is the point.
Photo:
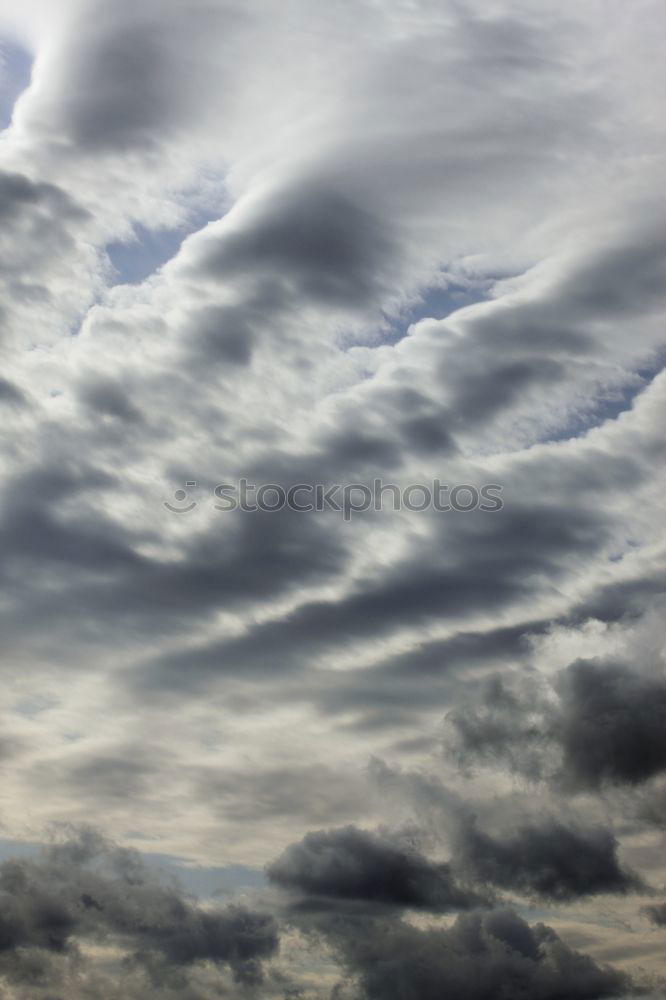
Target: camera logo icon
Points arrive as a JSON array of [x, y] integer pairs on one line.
[[180, 496]]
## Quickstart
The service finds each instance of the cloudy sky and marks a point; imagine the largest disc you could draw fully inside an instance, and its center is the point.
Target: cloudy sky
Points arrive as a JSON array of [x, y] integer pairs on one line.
[[336, 754]]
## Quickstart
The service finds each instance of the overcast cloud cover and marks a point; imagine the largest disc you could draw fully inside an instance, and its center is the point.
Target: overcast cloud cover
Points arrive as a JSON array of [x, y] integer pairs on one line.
[[393, 755]]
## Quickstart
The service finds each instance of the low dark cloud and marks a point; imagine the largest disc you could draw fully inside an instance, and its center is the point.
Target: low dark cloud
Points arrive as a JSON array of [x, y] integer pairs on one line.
[[602, 724], [549, 860], [370, 869], [611, 724], [88, 890], [483, 956]]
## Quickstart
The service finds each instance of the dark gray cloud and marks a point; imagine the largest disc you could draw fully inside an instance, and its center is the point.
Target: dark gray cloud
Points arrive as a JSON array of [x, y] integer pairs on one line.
[[329, 867], [623, 601], [222, 333], [33, 530], [116, 87], [19, 194], [308, 242], [612, 724], [87, 889], [127, 79], [108, 575], [483, 956], [550, 860], [480, 395], [623, 279], [606, 728], [428, 435], [619, 280], [489, 563]]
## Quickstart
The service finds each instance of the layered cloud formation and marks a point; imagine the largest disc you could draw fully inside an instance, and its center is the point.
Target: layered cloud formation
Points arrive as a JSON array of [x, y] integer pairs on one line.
[[332, 245]]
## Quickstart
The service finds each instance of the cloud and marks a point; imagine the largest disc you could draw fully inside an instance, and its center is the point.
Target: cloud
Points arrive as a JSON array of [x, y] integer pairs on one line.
[[222, 333], [131, 79], [603, 728], [657, 914], [282, 792], [107, 397], [214, 683], [42, 239], [550, 860], [611, 725], [308, 242], [488, 565], [332, 867], [18, 193], [10, 394], [87, 890], [482, 956]]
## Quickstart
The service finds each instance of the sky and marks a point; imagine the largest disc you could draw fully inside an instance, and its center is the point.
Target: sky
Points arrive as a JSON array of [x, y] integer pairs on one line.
[[346, 750]]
